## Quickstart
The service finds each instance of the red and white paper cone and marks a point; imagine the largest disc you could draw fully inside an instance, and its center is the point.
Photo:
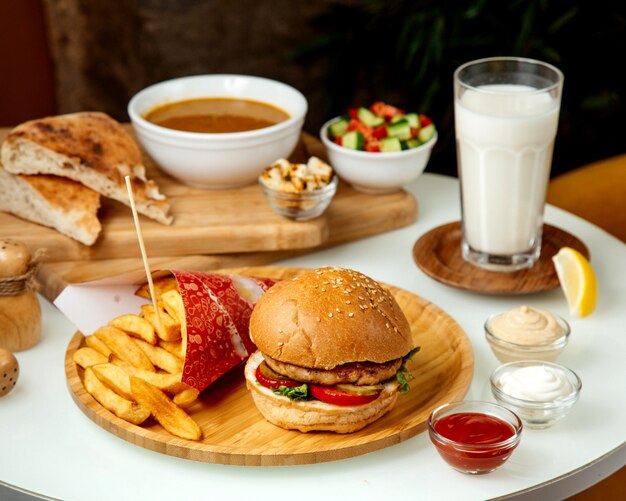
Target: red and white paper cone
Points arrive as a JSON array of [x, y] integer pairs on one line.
[[217, 315]]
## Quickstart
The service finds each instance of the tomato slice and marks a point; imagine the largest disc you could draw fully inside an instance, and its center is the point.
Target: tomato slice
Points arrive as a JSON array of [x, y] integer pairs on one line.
[[270, 379], [336, 396]]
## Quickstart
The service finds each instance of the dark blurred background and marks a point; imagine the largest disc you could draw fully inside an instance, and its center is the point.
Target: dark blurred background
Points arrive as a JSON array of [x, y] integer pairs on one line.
[[69, 55]]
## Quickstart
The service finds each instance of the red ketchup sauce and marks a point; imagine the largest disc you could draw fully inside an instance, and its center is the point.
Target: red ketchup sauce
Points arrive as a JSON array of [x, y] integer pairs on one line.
[[478, 433]]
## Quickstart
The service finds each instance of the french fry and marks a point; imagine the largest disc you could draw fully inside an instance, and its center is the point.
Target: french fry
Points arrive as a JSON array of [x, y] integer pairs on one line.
[[96, 344], [161, 358], [86, 357], [173, 304], [186, 398], [166, 328], [123, 346], [121, 407], [174, 347], [160, 285], [115, 360], [115, 378], [170, 383], [135, 326], [136, 361], [169, 415]]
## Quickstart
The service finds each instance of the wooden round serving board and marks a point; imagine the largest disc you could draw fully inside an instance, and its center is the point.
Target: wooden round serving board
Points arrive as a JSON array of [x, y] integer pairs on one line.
[[234, 432], [438, 254]]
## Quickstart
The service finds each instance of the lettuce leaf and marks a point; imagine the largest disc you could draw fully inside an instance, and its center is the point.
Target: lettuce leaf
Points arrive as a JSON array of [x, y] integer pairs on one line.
[[403, 376], [296, 393]]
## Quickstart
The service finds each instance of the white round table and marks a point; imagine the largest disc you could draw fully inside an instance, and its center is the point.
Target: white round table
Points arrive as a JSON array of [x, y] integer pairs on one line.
[[51, 449]]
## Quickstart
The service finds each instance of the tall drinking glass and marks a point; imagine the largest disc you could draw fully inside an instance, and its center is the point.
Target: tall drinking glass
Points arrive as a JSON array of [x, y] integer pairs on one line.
[[506, 115]]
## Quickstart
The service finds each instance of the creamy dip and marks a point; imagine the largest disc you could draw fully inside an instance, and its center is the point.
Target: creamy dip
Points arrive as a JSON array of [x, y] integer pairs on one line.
[[538, 383], [527, 325]]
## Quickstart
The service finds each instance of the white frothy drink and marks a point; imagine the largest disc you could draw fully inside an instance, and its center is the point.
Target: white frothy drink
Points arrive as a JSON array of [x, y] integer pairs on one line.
[[505, 137]]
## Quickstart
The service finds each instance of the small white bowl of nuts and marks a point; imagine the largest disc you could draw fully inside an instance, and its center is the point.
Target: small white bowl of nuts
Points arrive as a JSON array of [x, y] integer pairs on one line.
[[299, 191]]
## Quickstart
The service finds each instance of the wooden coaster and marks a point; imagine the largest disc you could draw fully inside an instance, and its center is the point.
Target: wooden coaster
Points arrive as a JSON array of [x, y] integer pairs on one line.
[[438, 254]]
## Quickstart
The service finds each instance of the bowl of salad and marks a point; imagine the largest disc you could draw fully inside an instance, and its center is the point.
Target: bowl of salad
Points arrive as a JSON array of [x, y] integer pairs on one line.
[[380, 148]]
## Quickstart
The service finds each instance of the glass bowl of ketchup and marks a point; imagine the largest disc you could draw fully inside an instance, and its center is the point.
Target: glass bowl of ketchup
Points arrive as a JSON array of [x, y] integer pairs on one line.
[[474, 437]]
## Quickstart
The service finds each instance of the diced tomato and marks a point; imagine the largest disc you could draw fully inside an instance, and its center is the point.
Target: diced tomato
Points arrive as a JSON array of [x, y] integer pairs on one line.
[[270, 379], [380, 131], [414, 131], [335, 396], [353, 113], [424, 121], [339, 140], [385, 110], [360, 127], [372, 144]]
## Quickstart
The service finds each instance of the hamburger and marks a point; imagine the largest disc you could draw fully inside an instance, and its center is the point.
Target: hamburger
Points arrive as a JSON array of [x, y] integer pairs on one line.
[[331, 350]]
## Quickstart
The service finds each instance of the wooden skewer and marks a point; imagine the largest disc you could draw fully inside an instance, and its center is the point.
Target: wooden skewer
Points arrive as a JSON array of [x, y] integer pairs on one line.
[[142, 247]]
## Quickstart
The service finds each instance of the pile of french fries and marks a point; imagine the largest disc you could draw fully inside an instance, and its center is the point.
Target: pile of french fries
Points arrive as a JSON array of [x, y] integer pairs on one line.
[[133, 366]]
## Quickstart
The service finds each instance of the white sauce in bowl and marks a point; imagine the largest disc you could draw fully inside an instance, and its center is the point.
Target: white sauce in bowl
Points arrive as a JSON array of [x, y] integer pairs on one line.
[[537, 383]]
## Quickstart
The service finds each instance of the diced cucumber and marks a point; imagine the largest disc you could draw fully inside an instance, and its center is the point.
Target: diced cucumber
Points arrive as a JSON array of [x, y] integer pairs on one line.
[[338, 127], [369, 118], [401, 130], [413, 143], [413, 119], [426, 133], [354, 140], [390, 144], [397, 118]]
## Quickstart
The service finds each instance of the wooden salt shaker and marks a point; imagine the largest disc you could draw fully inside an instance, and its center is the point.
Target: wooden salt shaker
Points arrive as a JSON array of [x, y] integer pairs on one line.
[[20, 313]]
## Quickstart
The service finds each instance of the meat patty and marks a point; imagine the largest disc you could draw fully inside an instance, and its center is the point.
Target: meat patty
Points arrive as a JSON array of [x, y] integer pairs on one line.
[[363, 373]]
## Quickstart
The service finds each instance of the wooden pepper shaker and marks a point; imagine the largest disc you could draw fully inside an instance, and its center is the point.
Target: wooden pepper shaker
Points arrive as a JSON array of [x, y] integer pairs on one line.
[[9, 370], [20, 313]]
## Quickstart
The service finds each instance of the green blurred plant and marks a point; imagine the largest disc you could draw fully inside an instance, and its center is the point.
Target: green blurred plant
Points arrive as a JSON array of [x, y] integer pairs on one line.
[[405, 52]]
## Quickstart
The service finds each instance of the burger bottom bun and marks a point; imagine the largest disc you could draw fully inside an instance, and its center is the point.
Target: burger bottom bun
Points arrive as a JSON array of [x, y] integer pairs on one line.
[[314, 415]]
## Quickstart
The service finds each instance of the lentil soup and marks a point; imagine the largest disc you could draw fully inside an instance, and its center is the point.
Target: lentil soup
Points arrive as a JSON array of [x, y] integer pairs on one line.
[[216, 115]]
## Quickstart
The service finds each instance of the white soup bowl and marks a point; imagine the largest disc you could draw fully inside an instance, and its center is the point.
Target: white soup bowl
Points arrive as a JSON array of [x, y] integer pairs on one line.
[[218, 160]]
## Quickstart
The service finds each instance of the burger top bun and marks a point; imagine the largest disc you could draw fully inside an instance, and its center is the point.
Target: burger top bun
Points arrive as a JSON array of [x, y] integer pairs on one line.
[[14, 258], [328, 317]]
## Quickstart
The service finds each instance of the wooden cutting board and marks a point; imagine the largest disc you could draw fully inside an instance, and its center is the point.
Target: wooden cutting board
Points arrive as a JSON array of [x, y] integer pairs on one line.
[[213, 221], [234, 432], [347, 219]]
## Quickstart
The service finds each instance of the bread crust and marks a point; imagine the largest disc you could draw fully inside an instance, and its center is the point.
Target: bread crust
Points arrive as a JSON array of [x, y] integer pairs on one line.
[[328, 317], [52, 201], [87, 147], [314, 415]]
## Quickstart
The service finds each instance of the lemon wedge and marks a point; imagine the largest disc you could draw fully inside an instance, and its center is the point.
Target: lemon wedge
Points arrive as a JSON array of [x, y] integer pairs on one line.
[[577, 280]]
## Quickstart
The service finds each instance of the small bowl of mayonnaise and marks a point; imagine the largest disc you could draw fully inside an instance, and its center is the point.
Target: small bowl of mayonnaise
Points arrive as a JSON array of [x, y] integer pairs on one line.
[[540, 393], [526, 333]]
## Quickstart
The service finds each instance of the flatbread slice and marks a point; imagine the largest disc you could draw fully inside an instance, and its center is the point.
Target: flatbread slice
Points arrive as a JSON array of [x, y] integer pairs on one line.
[[62, 204], [90, 148]]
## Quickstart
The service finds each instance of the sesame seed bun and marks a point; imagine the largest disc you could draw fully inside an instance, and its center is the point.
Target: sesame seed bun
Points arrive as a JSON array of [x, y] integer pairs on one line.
[[328, 317]]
